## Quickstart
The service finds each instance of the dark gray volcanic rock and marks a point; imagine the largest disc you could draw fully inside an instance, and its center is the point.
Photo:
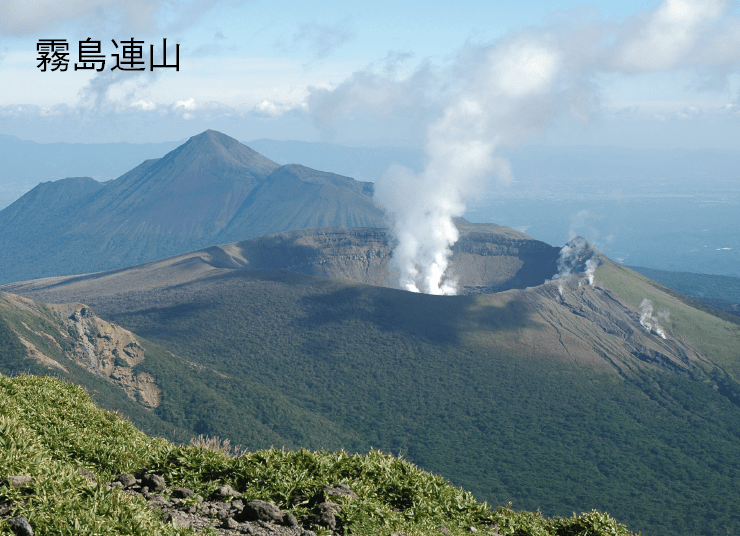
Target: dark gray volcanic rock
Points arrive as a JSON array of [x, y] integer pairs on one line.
[[210, 190]]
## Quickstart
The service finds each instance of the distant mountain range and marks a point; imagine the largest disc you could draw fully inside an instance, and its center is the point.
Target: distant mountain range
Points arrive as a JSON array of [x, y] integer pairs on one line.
[[24, 163], [209, 190], [609, 190]]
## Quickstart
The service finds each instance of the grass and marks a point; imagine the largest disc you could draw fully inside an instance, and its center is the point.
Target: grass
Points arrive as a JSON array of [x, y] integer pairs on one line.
[[478, 389], [701, 286], [37, 324], [715, 336], [50, 428]]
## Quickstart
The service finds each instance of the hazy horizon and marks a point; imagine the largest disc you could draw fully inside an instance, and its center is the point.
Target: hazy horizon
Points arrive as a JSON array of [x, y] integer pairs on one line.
[[471, 87]]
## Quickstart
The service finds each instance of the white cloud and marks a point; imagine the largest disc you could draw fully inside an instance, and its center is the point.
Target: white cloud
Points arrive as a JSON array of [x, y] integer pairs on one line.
[[23, 17], [678, 33], [535, 77], [276, 109], [188, 104], [143, 105], [501, 94], [115, 89], [378, 96], [323, 39]]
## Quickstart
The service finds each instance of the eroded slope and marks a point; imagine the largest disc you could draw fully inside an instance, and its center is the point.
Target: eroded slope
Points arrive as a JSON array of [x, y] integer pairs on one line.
[[56, 334]]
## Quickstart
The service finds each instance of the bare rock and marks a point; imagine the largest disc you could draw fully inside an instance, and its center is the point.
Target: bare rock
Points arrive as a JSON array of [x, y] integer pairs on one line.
[[225, 491], [340, 490], [159, 500], [182, 493], [19, 481], [20, 526], [176, 519], [87, 474], [289, 520], [257, 510], [230, 523], [223, 514], [126, 479], [325, 514], [153, 482], [6, 507]]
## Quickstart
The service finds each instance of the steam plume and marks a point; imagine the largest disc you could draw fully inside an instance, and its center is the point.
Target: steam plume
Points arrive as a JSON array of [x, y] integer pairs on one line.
[[459, 147], [503, 94], [577, 256], [591, 265], [648, 321]]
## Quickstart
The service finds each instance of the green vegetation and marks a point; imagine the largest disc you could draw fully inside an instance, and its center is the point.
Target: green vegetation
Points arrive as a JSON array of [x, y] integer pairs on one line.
[[49, 429], [475, 388], [38, 326], [713, 334], [479, 389], [719, 291]]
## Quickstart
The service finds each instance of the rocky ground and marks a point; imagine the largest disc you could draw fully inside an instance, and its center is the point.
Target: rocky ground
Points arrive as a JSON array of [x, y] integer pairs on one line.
[[226, 512]]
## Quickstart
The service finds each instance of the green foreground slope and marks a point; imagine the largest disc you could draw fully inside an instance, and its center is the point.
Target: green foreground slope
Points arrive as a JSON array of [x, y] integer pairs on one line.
[[35, 322], [516, 396], [50, 429], [195, 399]]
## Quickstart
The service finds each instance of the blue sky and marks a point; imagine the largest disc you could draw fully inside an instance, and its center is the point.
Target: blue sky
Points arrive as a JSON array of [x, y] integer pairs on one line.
[[649, 73]]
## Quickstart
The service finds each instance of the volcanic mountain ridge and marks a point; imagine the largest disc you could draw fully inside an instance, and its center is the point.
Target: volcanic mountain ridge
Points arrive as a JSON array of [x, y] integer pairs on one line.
[[210, 190]]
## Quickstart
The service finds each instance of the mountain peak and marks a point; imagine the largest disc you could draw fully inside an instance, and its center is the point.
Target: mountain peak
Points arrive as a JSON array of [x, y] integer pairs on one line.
[[211, 189], [217, 148]]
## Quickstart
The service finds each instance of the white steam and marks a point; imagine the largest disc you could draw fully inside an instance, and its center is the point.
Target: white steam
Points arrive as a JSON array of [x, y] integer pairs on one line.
[[648, 321], [568, 258], [459, 148], [590, 269], [500, 95], [422, 209], [577, 256]]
